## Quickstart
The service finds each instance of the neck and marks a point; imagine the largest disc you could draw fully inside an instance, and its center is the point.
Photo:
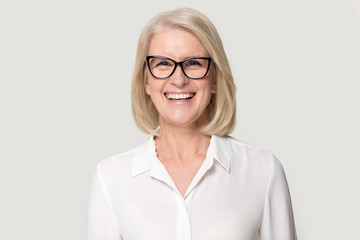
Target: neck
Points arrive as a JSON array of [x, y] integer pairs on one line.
[[181, 143]]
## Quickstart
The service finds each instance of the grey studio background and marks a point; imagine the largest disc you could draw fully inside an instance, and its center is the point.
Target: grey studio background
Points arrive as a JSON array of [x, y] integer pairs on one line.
[[65, 71]]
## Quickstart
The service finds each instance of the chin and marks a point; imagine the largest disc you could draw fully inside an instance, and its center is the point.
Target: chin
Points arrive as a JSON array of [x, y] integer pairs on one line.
[[185, 121]]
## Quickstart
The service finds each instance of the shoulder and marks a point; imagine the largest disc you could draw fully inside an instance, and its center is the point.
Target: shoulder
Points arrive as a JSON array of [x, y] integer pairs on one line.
[[249, 154], [240, 147], [120, 164]]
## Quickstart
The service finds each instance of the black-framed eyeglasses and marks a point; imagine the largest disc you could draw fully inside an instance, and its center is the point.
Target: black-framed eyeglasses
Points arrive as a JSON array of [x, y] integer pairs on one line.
[[163, 67]]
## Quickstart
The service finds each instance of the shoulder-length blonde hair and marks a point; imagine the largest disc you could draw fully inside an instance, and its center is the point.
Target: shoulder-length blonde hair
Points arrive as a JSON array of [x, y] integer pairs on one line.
[[222, 106]]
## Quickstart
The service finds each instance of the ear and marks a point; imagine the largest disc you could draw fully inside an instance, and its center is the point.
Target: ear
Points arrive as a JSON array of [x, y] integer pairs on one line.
[[213, 76], [213, 87], [147, 87]]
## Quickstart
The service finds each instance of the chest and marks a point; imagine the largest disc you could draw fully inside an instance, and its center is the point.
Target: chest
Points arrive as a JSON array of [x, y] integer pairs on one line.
[[182, 174], [216, 209]]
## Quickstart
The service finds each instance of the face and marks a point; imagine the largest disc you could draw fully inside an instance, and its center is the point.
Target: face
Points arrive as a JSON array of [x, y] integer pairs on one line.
[[179, 100]]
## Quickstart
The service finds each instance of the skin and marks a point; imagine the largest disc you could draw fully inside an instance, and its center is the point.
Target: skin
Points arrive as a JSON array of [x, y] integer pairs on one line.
[[180, 146]]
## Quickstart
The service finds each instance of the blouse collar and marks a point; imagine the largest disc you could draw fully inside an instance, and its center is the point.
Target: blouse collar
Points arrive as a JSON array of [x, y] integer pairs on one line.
[[145, 157]]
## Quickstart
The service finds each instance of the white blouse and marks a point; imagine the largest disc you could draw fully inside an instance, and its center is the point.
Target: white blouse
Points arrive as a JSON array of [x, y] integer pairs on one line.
[[239, 193]]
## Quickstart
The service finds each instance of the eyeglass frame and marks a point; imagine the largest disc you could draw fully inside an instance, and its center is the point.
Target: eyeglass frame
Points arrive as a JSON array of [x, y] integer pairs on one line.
[[209, 59]]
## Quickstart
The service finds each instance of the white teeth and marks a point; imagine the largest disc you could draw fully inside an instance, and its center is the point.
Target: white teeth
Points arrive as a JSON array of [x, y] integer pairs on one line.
[[180, 96]]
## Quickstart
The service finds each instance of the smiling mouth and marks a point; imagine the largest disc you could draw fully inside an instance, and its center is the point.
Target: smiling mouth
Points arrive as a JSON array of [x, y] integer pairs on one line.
[[179, 96]]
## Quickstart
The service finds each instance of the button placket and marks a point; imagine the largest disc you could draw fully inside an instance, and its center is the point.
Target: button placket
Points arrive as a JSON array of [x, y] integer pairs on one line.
[[183, 224]]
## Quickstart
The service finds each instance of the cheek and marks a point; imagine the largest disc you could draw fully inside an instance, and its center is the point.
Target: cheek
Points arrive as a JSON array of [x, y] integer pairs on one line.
[[153, 87], [207, 93]]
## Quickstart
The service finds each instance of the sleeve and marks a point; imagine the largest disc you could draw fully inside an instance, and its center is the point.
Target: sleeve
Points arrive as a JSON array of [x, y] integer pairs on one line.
[[278, 220], [102, 224]]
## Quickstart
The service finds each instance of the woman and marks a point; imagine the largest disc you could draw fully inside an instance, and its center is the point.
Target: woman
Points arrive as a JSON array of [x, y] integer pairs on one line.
[[189, 180]]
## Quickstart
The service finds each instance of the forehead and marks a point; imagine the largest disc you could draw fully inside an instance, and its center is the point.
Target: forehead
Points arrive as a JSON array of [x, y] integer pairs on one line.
[[177, 44]]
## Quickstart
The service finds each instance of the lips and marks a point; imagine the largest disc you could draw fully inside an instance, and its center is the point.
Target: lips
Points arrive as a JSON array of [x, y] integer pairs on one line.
[[179, 96]]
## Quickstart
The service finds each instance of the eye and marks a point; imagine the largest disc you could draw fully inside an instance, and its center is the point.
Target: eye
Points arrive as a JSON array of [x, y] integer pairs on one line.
[[162, 63], [194, 63]]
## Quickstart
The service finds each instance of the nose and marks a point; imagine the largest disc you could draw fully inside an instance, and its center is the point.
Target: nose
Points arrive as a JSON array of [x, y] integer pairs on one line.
[[178, 78]]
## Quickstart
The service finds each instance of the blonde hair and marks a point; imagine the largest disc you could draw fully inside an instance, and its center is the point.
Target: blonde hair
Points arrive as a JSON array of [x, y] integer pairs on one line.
[[222, 107]]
